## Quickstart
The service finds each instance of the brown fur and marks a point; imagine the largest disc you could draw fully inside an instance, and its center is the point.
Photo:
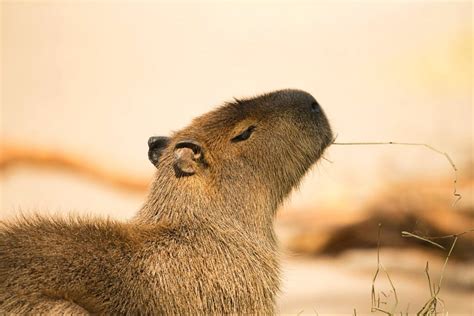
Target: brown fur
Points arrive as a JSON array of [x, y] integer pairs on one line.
[[203, 243]]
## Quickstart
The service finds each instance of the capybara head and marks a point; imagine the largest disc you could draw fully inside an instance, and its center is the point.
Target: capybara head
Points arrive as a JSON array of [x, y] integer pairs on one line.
[[257, 146]]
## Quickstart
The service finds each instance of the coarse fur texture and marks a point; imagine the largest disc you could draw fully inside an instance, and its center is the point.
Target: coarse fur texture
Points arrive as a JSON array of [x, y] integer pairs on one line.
[[203, 242]]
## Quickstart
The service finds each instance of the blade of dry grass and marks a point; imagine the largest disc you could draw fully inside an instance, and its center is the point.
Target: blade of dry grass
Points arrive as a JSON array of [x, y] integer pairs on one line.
[[431, 306], [407, 234], [376, 301], [456, 194]]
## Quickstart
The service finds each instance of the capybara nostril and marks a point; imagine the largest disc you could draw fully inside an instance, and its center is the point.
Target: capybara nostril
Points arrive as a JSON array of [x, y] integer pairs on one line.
[[315, 107]]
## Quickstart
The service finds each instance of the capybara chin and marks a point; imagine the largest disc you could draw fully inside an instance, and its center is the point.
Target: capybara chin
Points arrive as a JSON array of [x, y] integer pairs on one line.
[[203, 242]]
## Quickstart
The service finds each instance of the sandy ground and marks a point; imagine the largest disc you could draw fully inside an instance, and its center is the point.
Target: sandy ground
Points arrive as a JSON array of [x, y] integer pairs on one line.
[[340, 285]]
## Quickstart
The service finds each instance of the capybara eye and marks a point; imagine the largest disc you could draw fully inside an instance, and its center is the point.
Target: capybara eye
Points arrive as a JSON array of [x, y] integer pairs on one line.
[[244, 135]]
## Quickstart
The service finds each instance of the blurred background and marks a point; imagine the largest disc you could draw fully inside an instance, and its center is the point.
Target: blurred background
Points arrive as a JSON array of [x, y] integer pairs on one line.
[[85, 83]]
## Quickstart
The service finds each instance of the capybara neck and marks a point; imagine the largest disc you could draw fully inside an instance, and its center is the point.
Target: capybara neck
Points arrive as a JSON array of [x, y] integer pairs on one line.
[[187, 201]]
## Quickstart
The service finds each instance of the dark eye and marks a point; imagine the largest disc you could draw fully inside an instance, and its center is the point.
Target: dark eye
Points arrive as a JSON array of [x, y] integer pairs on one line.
[[244, 135]]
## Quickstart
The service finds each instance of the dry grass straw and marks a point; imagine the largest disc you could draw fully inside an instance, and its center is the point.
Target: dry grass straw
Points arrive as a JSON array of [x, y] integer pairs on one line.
[[377, 302], [431, 307], [456, 194], [434, 305]]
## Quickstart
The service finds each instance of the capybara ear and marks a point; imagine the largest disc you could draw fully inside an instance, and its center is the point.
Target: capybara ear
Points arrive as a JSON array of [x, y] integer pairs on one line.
[[187, 153], [156, 145]]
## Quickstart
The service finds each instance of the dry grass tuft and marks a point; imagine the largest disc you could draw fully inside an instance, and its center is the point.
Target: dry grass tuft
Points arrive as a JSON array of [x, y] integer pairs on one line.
[[434, 305]]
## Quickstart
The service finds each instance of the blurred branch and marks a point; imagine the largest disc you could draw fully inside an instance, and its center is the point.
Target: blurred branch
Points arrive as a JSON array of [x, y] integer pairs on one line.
[[14, 156]]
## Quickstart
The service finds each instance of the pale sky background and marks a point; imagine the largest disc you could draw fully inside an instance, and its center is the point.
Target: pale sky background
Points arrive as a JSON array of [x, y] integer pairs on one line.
[[98, 78]]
